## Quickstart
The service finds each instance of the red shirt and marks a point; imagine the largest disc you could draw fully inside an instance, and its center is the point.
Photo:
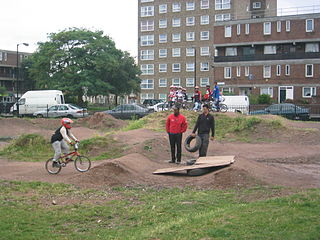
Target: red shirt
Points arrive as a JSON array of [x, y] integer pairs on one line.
[[176, 124]]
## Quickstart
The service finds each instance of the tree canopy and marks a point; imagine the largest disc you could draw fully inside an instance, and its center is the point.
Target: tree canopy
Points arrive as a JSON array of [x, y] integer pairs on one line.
[[79, 61]]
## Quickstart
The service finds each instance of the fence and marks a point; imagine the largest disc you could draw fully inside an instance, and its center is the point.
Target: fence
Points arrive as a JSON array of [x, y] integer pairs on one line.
[[5, 107]]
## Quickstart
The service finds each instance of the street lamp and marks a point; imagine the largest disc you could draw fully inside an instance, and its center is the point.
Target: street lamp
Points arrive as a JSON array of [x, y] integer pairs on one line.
[[17, 73]]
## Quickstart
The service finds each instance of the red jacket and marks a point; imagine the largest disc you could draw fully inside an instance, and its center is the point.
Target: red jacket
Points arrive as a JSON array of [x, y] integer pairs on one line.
[[176, 124]]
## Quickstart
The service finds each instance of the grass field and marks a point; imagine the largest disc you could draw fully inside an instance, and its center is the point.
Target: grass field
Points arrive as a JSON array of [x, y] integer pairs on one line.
[[27, 212]]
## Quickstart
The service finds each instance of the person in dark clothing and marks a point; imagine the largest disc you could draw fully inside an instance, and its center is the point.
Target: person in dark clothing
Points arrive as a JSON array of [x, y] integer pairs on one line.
[[176, 124], [204, 124]]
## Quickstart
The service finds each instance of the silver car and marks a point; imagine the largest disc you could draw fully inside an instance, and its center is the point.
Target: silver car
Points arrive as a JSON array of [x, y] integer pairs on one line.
[[62, 110]]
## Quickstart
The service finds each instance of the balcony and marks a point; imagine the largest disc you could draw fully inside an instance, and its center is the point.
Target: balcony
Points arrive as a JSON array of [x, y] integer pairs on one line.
[[267, 57]]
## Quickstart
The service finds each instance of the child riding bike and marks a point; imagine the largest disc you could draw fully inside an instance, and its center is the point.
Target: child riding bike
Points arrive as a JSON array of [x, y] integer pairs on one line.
[[60, 139]]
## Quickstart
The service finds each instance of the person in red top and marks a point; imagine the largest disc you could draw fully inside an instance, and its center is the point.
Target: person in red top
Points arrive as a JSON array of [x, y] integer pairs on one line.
[[208, 94], [176, 125]]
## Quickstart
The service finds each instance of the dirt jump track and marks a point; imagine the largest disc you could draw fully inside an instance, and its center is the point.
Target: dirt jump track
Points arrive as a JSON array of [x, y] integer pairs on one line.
[[286, 164]]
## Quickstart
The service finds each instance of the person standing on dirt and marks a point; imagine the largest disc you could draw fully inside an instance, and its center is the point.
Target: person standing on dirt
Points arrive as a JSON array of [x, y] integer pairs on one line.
[[176, 125], [204, 124], [61, 137]]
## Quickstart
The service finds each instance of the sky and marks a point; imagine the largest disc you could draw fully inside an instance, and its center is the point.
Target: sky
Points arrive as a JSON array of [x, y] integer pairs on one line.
[[32, 20]]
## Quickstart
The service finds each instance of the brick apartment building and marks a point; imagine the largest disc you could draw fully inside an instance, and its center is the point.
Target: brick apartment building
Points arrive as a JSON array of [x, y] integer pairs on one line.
[[176, 40], [8, 70], [278, 56]]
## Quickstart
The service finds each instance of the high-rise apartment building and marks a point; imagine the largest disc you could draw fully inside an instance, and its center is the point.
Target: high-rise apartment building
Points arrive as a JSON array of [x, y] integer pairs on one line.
[[176, 40]]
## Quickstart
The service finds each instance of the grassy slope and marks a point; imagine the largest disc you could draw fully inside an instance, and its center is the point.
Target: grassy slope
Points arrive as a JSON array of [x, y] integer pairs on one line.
[[26, 213]]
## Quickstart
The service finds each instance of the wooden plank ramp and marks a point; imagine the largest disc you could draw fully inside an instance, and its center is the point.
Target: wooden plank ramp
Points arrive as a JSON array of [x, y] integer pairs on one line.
[[202, 162]]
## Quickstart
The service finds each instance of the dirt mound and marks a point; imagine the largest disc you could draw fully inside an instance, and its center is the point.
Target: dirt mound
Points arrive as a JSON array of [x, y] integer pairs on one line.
[[101, 121]]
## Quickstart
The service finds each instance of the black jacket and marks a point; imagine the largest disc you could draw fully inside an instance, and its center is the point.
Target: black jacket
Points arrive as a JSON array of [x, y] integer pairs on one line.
[[204, 124]]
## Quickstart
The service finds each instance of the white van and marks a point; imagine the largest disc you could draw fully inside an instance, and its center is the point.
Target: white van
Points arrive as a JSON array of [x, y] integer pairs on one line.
[[33, 101], [238, 104]]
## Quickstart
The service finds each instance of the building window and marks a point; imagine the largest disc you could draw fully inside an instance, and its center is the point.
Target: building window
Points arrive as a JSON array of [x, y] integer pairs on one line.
[[227, 31], [190, 67], [176, 67], [278, 70], [147, 84], [162, 82], [278, 26], [190, 6], [308, 92], [256, 5], [267, 90], [267, 28], [247, 71], [190, 21], [147, 55], [147, 25], [176, 22], [227, 90], [288, 26], [176, 7], [204, 20], [163, 38], [204, 51], [163, 8], [204, 66], [227, 72], [204, 82], [287, 72], [176, 52], [176, 82], [189, 82], [309, 25], [248, 51], [190, 52], [147, 11], [222, 4], [147, 40], [176, 37], [247, 29], [231, 51], [163, 23], [238, 71], [238, 29], [162, 67], [163, 96], [204, 35], [270, 49], [223, 17], [267, 71], [144, 96], [162, 53], [204, 4], [190, 36], [312, 47], [309, 70], [147, 69]]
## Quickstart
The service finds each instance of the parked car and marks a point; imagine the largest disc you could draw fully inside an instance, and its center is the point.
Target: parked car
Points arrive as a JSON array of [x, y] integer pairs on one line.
[[129, 111], [159, 107], [62, 110], [151, 102], [287, 110]]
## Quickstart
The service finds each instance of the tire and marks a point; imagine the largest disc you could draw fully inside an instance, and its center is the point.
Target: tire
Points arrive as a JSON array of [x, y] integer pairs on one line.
[[50, 168], [39, 116], [196, 146], [82, 163], [223, 108], [198, 172]]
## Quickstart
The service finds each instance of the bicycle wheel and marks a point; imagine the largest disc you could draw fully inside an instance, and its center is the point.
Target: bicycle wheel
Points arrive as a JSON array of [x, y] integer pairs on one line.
[[223, 108], [82, 163], [51, 167]]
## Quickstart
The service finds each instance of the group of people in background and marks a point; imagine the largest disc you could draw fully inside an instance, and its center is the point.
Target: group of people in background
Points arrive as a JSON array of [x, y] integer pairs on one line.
[[179, 95]]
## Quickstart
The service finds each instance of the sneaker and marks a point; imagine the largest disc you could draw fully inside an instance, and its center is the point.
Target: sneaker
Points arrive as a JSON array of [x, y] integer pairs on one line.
[[178, 162], [55, 164], [172, 161]]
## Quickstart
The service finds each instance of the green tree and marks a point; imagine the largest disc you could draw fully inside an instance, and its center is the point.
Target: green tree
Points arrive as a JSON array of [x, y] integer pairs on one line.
[[79, 61], [264, 99]]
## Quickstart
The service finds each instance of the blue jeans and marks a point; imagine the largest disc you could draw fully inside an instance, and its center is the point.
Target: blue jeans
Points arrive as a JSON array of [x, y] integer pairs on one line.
[[197, 106]]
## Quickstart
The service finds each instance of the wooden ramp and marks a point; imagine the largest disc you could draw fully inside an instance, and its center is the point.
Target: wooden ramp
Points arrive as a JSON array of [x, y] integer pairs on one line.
[[202, 162]]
